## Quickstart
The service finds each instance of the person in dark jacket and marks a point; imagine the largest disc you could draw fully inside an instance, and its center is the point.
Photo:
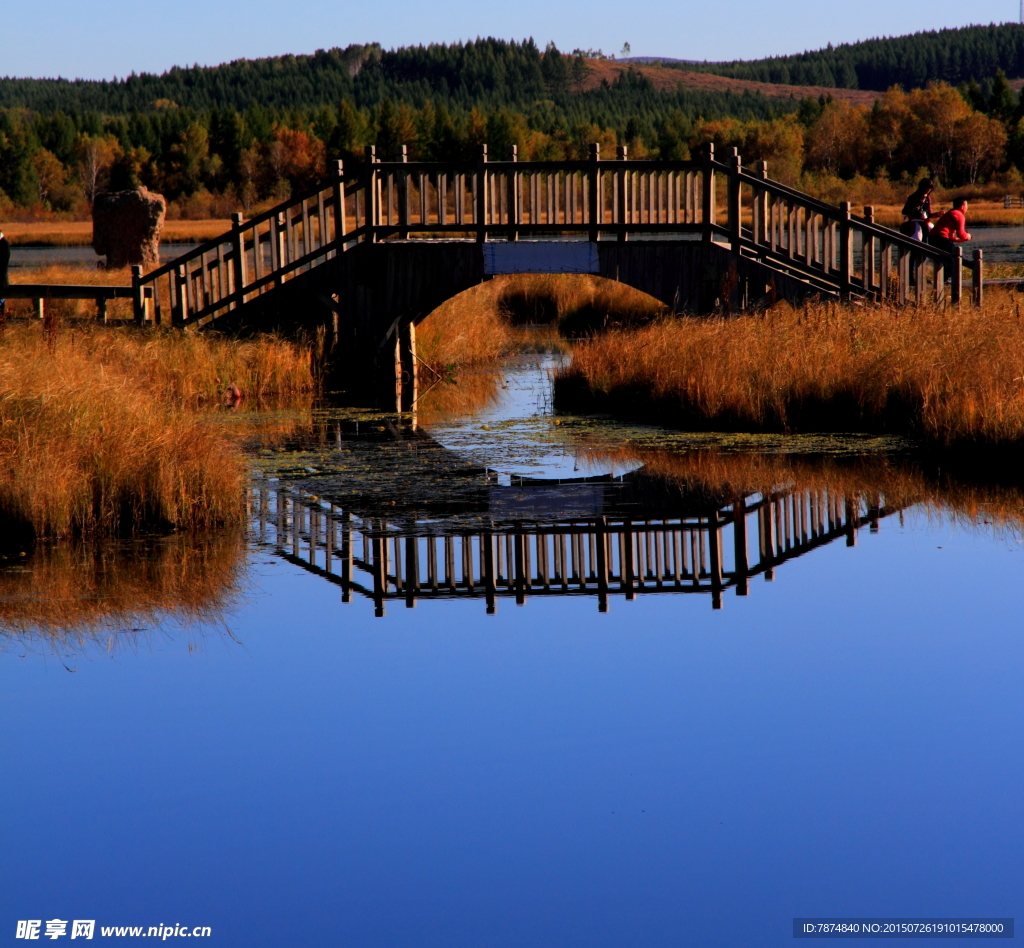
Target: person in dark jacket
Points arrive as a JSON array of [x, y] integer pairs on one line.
[[918, 211], [5, 262]]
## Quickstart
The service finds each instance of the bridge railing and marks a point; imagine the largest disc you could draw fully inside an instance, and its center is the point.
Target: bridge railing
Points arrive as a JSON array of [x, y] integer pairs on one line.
[[594, 199], [599, 556], [824, 242], [509, 199], [255, 256]]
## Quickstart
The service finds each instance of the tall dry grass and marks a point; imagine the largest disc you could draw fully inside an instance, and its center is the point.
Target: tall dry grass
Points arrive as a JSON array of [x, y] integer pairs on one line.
[[486, 321], [100, 431], [945, 375]]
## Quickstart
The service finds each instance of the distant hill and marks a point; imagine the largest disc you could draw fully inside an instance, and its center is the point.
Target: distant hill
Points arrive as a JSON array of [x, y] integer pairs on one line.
[[665, 77], [954, 56], [488, 74]]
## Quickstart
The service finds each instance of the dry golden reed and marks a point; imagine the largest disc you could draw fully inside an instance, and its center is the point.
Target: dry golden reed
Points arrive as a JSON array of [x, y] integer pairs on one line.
[[946, 375], [100, 433], [484, 322]]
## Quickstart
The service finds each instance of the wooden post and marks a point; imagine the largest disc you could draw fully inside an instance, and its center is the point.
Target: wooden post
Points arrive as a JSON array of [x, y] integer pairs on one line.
[[338, 197], [956, 276], [518, 567], [396, 362], [715, 559], [735, 232], [404, 212], [39, 307], [739, 536], [372, 197], [977, 278], [620, 195], [238, 268], [845, 250], [602, 564], [626, 566], [487, 565], [512, 196], [101, 310], [409, 382], [850, 515], [708, 210], [138, 300], [180, 311], [481, 196], [760, 213], [379, 574], [869, 253], [594, 191]]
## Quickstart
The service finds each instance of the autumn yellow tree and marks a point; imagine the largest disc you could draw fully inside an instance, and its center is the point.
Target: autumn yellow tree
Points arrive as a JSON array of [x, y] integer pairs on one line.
[[838, 143], [50, 174], [96, 155]]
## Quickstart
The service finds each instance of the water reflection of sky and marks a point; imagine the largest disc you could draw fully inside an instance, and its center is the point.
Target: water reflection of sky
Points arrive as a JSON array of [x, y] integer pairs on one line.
[[78, 256], [847, 740], [518, 433]]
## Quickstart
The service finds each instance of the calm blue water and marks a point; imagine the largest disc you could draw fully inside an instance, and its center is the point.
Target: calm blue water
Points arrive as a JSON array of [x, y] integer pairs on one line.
[[846, 740]]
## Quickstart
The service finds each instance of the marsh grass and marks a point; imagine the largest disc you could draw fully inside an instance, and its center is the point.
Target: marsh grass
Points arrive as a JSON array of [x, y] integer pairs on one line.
[[103, 432], [949, 376], [506, 315]]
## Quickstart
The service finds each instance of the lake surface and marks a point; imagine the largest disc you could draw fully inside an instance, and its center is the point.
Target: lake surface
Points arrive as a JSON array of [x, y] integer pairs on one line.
[[1001, 245], [78, 256], [665, 708]]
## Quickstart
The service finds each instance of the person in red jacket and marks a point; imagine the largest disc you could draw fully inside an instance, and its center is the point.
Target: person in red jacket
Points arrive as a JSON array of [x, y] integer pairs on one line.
[[951, 228]]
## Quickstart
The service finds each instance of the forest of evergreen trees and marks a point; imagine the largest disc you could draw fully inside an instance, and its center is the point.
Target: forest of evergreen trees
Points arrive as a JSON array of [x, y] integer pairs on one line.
[[214, 139], [955, 56]]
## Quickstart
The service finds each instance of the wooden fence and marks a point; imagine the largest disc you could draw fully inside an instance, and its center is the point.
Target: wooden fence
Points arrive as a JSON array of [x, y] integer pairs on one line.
[[42, 293]]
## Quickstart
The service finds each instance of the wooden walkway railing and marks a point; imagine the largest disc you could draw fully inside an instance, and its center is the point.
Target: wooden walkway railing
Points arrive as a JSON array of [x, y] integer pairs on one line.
[[824, 245], [42, 293], [601, 556]]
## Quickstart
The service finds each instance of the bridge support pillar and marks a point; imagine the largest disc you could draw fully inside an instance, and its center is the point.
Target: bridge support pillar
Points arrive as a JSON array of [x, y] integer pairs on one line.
[[408, 377]]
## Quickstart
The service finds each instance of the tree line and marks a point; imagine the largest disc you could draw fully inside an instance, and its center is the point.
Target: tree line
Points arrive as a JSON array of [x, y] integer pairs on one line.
[[955, 56], [59, 161]]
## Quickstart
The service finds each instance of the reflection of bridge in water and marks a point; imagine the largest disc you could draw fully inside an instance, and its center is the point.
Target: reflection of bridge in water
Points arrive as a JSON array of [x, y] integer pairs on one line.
[[707, 547]]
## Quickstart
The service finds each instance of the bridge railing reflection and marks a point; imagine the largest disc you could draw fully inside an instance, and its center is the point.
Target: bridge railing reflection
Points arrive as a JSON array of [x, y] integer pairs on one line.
[[598, 556]]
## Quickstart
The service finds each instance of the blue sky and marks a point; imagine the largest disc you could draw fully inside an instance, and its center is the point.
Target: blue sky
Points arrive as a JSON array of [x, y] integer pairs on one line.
[[106, 38]]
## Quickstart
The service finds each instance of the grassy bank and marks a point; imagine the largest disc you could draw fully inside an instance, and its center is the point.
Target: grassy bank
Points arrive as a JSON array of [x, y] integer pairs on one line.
[[946, 376], [104, 432], [79, 233]]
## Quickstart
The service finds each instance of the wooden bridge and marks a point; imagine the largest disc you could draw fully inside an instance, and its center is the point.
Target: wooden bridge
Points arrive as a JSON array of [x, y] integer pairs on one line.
[[367, 554], [368, 260]]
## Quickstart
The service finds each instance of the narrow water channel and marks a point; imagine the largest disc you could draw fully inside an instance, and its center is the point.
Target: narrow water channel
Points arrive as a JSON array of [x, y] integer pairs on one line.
[[510, 677]]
